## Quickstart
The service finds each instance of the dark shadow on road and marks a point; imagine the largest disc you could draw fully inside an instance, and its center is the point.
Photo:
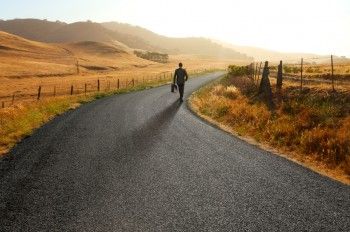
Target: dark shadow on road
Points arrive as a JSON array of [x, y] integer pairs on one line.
[[151, 130]]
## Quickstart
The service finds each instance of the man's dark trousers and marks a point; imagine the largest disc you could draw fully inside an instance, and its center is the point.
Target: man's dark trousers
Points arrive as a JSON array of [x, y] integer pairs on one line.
[[181, 90]]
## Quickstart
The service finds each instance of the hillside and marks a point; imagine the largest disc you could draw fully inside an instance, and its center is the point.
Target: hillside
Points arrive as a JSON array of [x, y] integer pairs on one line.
[[22, 57], [133, 37], [97, 48], [12, 43]]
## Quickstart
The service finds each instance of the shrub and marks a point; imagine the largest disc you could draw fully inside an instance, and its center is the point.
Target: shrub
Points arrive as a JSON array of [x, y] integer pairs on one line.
[[239, 70], [222, 110], [231, 92], [295, 70], [287, 69], [327, 144], [218, 90], [153, 56], [309, 70]]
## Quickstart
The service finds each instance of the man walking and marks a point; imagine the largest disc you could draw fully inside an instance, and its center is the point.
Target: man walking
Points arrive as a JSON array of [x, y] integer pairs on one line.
[[180, 76]]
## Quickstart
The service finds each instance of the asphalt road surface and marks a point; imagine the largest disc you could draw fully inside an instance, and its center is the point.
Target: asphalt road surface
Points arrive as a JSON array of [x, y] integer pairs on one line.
[[143, 162]]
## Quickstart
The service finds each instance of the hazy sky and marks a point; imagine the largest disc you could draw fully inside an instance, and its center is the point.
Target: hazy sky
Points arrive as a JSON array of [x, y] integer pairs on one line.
[[318, 26]]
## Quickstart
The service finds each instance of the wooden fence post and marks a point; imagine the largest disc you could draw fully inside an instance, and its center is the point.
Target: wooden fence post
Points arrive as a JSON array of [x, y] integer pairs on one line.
[[133, 82], [109, 85], [98, 85], [3, 104], [279, 77], [332, 73], [85, 89], [39, 92], [54, 91], [301, 74], [77, 65], [265, 91], [13, 98], [71, 90], [118, 84], [259, 72]]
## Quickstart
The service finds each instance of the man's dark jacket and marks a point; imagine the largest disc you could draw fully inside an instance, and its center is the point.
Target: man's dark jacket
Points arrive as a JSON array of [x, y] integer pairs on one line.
[[180, 76]]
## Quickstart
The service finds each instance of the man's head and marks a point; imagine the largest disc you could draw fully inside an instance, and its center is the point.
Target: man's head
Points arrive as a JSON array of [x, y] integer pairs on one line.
[[180, 65]]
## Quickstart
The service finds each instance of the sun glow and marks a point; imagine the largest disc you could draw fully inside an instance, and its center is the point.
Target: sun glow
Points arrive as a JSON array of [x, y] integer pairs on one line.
[[294, 26]]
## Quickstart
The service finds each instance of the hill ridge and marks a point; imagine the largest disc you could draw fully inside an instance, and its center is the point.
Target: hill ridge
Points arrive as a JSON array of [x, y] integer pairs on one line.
[[59, 32]]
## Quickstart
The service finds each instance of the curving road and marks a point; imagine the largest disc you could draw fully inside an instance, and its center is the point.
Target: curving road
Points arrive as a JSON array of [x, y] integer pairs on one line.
[[143, 162]]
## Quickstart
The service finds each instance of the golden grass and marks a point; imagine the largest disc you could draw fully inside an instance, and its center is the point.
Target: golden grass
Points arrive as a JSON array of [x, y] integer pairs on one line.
[[26, 86], [26, 65], [312, 128], [341, 70]]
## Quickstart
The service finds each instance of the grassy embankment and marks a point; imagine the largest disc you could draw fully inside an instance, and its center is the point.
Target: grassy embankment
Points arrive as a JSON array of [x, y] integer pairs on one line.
[[20, 120], [311, 128]]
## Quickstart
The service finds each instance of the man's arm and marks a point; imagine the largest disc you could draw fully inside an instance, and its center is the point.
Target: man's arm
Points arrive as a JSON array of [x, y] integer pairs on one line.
[[186, 75]]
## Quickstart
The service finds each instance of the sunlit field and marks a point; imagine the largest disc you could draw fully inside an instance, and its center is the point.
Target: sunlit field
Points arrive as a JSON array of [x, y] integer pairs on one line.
[[26, 88]]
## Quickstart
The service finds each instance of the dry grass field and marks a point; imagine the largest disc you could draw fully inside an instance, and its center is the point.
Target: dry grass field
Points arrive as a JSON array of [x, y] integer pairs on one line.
[[311, 127], [26, 65], [322, 71]]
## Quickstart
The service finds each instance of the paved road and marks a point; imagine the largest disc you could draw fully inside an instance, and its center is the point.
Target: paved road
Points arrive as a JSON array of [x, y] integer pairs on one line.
[[143, 162]]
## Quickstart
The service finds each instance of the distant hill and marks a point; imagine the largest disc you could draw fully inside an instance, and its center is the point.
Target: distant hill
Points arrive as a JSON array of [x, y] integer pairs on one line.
[[170, 45], [33, 29], [131, 36], [59, 32]]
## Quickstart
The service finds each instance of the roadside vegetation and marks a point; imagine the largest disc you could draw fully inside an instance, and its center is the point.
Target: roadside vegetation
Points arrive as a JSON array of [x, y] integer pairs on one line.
[[311, 127]]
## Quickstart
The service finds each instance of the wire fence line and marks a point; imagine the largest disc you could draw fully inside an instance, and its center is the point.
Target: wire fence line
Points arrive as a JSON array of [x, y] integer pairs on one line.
[[330, 71], [102, 84]]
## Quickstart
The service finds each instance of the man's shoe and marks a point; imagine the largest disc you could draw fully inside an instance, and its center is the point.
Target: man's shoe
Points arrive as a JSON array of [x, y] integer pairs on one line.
[[181, 100]]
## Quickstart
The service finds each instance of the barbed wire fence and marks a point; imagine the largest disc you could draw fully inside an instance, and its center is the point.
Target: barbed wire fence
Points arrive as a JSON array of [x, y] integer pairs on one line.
[[332, 71]]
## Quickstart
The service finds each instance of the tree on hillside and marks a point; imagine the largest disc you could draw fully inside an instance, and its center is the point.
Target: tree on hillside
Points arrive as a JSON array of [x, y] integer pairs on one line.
[[153, 56]]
